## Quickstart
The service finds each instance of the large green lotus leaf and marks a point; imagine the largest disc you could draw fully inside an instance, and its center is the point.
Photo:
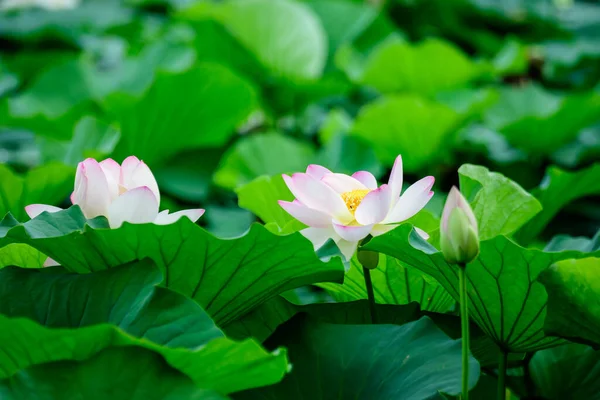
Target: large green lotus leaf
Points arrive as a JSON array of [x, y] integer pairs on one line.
[[227, 277], [261, 322], [566, 372], [22, 255], [115, 373], [163, 122], [417, 128], [264, 154], [51, 315], [573, 288], [412, 361], [558, 189], [540, 121], [500, 205], [48, 184], [285, 36], [426, 68], [505, 299], [393, 283], [261, 195]]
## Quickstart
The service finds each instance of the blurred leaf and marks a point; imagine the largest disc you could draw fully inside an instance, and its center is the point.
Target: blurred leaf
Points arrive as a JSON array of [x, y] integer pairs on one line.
[[505, 299], [558, 189], [163, 122], [425, 68], [92, 138], [261, 197], [347, 154], [228, 222], [48, 184], [540, 121], [492, 144], [367, 362], [336, 122], [586, 147], [82, 322], [573, 288], [500, 205], [564, 242], [417, 128], [393, 283], [118, 373], [512, 58], [568, 371], [259, 265], [262, 154], [21, 255], [284, 35], [8, 80], [67, 25]]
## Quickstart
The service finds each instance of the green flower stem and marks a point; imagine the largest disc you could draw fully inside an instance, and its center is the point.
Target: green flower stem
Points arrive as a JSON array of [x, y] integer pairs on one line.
[[370, 294], [464, 319], [502, 375]]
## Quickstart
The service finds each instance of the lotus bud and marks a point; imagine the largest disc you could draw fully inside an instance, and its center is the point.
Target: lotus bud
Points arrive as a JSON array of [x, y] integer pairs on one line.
[[459, 233]]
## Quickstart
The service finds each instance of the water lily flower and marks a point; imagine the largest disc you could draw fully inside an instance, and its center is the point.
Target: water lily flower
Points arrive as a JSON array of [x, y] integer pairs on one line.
[[121, 193], [459, 236], [347, 208]]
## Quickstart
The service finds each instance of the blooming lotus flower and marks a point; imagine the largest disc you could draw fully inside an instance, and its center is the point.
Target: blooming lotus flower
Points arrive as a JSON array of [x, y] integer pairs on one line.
[[459, 237], [121, 193], [347, 208]]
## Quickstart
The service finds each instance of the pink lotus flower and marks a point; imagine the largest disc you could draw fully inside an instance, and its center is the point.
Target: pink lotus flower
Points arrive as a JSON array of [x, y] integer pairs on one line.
[[349, 208], [121, 193]]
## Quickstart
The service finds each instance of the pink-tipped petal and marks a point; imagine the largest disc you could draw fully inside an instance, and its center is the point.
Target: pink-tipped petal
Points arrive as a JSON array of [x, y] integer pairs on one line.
[[135, 173], [366, 178], [456, 199], [164, 218], [33, 210], [352, 233], [318, 236], [50, 263], [307, 216], [375, 206], [396, 179], [347, 248], [91, 189], [318, 196], [422, 233], [317, 171], [136, 206], [411, 201], [112, 171], [342, 183]]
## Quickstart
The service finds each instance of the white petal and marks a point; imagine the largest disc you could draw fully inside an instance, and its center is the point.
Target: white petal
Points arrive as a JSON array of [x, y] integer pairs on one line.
[[380, 229], [375, 206], [454, 200], [317, 171], [396, 179], [342, 183], [366, 178], [318, 196], [352, 233], [91, 189], [164, 218], [347, 248], [112, 171], [136, 206], [318, 236], [422, 233], [50, 263], [411, 201], [135, 173], [33, 210], [306, 215]]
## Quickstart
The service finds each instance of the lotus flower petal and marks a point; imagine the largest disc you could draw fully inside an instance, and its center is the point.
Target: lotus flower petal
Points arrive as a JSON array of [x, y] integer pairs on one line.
[[136, 206]]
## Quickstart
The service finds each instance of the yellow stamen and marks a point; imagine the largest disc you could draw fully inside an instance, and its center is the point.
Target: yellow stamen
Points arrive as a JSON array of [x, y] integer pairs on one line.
[[354, 198]]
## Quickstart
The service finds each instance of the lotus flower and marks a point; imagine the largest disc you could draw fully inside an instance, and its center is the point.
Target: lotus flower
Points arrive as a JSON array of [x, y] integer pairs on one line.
[[459, 236], [121, 193], [347, 208]]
